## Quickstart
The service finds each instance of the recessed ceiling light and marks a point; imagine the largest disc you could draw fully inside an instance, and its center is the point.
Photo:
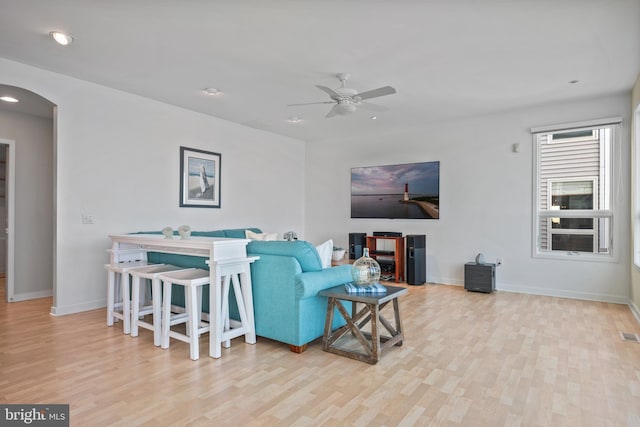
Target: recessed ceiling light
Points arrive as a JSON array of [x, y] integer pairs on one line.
[[374, 117], [294, 120], [9, 99], [61, 38], [573, 81], [212, 91]]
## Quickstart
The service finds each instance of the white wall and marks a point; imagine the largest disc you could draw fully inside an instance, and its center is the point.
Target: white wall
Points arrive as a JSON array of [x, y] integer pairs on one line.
[[118, 160], [485, 198], [33, 138]]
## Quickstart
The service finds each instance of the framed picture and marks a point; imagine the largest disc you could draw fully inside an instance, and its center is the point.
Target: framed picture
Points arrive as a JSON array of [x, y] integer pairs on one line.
[[407, 191], [199, 178]]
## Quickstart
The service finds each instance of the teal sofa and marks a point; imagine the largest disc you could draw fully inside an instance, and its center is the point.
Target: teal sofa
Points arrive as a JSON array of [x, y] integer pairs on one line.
[[285, 284]]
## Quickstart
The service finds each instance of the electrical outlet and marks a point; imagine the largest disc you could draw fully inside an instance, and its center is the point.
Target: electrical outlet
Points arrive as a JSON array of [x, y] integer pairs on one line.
[[498, 261]]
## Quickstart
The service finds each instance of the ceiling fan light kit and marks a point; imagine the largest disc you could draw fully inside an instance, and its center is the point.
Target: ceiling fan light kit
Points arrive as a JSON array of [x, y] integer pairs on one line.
[[347, 100], [344, 108]]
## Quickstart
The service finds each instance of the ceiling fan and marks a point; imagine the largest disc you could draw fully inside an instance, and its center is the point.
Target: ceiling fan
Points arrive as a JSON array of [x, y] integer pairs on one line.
[[347, 100]]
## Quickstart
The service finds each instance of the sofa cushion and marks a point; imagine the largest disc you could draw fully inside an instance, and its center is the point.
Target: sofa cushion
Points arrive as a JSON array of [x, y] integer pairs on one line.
[[260, 236], [325, 250], [216, 233], [304, 252], [239, 233]]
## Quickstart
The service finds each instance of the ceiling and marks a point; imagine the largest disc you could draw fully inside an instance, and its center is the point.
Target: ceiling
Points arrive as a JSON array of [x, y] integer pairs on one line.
[[447, 59]]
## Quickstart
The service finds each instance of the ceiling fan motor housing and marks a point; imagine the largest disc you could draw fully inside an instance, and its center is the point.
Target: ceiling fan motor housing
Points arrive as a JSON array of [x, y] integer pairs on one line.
[[346, 91]]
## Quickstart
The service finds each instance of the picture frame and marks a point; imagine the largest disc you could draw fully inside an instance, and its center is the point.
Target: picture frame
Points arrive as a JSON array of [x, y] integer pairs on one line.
[[404, 191], [199, 178]]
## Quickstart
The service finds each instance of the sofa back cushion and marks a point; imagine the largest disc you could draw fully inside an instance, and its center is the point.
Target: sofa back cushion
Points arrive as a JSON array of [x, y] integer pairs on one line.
[[216, 233], [189, 261], [239, 233], [304, 252]]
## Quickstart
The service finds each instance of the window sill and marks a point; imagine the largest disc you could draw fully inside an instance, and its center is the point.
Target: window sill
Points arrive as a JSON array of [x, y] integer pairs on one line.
[[585, 257]]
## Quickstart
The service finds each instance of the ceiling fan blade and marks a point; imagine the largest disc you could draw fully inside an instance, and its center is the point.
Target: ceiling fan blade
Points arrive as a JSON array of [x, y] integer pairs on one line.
[[311, 103], [332, 93], [373, 107], [374, 93], [332, 112]]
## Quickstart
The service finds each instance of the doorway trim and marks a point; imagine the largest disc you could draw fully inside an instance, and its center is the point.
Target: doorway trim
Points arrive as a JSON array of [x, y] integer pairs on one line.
[[11, 203]]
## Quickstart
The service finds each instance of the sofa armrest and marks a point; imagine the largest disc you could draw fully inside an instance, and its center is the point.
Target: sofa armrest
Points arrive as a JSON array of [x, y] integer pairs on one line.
[[308, 284], [273, 275]]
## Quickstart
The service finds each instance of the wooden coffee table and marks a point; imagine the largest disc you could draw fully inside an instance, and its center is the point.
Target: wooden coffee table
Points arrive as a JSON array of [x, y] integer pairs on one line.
[[372, 342]]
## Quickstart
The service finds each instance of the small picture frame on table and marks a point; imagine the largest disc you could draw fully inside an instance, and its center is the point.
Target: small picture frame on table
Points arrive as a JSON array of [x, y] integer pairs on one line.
[[199, 178]]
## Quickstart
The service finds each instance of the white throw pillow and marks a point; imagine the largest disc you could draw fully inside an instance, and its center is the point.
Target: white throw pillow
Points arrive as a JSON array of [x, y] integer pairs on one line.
[[325, 250], [260, 236]]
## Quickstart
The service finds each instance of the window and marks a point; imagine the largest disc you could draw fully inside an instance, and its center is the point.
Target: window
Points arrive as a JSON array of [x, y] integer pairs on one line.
[[572, 234], [573, 190]]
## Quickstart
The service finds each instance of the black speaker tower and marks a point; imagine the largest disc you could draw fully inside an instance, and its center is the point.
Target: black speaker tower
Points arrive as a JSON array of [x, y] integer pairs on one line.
[[416, 259], [357, 242]]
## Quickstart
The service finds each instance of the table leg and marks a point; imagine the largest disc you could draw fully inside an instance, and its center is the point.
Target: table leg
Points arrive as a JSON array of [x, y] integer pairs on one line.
[[328, 322], [225, 307], [215, 311], [247, 295], [375, 333], [399, 326], [330, 338]]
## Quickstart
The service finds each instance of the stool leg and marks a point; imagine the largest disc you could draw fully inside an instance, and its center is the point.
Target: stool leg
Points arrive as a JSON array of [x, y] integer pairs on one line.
[[111, 283], [146, 295], [199, 307], [135, 304], [166, 314], [126, 302], [157, 312], [193, 322]]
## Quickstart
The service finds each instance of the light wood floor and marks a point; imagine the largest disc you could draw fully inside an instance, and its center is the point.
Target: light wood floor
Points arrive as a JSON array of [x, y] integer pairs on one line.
[[468, 359]]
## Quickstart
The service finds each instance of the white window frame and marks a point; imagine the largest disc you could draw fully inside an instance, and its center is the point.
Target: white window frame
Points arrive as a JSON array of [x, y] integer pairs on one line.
[[636, 189], [540, 214]]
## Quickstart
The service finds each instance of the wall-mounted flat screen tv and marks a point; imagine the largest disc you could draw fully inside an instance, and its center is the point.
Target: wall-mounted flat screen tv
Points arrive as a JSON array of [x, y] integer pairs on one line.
[[407, 191]]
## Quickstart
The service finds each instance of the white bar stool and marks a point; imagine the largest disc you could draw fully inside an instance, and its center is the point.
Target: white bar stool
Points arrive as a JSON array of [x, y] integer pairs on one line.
[[193, 281], [150, 272], [234, 272], [118, 303]]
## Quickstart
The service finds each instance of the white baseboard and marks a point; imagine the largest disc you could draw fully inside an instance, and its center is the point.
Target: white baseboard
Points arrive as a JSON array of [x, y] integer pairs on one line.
[[93, 305], [32, 295], [588, 296], [635, 311], [78, 308]]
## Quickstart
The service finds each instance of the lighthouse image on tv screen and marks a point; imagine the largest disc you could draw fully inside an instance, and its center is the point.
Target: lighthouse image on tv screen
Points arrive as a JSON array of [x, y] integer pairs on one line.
[[409, 191]]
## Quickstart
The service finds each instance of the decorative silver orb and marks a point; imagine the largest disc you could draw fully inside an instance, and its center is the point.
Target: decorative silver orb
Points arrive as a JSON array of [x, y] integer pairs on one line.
[[290, 236], [366, 270]]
